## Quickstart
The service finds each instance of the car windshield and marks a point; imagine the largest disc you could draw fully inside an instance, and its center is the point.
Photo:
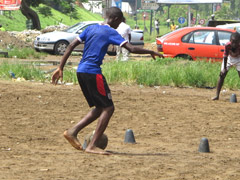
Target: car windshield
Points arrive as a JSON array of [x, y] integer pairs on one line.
[[74, 28]]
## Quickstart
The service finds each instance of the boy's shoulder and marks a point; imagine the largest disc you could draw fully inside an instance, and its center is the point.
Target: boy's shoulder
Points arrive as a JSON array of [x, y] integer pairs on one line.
[[228, 44]]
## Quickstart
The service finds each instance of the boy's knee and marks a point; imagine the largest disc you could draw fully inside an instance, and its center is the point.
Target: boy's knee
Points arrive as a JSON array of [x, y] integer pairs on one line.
[[111, 108]]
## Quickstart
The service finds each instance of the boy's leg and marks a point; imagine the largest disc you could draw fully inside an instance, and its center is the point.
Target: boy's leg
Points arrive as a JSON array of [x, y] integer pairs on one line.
[[125, 53], [220, 84], [71, 134], [118, 57], [101, 126]]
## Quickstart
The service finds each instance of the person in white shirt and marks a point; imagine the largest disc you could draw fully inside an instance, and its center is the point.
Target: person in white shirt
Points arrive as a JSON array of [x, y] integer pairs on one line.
[[125, 31], [157, 26]]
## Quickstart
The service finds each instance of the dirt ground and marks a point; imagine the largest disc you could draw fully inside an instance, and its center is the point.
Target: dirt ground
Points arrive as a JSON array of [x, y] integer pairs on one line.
[[168, 124]]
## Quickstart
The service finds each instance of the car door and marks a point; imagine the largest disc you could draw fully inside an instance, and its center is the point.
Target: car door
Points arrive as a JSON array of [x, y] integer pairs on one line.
[[202, 44], [223, 38]]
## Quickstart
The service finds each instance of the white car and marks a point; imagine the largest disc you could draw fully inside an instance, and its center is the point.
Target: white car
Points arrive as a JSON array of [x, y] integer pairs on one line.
[[56, 42], [235, 26]]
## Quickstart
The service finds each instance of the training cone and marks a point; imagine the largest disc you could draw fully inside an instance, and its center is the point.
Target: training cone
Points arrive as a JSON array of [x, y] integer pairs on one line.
[[204, 145], [233, 98], [129, 137]]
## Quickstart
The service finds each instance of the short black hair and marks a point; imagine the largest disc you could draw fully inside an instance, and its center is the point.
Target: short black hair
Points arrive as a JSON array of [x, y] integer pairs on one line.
[[235, 36], [113, 12]]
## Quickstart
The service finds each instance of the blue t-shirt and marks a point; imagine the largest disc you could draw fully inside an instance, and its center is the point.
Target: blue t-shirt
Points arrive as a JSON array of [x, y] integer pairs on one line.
[[97, 38]]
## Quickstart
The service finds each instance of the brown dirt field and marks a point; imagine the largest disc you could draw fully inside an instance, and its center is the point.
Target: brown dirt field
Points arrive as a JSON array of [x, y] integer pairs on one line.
[[167, 122]]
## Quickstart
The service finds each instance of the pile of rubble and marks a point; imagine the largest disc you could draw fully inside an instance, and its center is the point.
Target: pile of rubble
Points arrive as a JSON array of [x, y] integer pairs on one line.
[[11, 39]]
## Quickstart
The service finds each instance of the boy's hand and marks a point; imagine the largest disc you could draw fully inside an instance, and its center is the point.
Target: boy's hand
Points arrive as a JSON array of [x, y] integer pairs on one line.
[[58, 74], [154, 54], [223, 71]]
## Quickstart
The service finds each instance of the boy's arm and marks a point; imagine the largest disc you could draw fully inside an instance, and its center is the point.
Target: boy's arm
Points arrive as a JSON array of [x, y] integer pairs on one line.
[[225, 56], [58, 74], [225, 63], [138, 50]]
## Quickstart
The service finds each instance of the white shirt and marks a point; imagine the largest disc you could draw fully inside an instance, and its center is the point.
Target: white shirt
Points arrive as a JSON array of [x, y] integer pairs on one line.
[[156, 24], [124, 30]]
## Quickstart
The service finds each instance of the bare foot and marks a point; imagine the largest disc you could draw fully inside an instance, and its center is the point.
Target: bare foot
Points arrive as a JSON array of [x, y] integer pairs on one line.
[[96, 150], [73, 140], [215, 98]]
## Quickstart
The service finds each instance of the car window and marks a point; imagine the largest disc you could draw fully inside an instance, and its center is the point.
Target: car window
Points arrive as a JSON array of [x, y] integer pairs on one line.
[[186, 37], [83, 28], [224, 37], [203, 37], [74, 28]]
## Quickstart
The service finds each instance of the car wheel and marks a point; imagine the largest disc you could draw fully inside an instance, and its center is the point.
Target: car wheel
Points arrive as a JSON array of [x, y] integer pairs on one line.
[[184, 56], [37, 50], [60, 47]]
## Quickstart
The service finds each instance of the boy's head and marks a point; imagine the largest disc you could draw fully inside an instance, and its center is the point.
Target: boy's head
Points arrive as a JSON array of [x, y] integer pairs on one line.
[[235, 40], [114, 17]]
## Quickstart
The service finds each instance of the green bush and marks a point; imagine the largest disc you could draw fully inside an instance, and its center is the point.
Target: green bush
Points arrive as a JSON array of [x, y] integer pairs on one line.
[[45, 11]]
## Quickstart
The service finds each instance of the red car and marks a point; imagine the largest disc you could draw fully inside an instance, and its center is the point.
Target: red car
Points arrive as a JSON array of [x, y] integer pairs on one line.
[[195, 43]]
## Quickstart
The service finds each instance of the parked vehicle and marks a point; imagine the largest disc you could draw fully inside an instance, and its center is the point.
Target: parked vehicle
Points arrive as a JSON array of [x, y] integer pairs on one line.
[[56, 42], [195, 43], [215, 23]]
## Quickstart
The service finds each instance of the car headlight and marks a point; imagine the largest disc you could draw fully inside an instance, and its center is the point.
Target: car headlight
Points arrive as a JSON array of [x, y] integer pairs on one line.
[[44, 39]]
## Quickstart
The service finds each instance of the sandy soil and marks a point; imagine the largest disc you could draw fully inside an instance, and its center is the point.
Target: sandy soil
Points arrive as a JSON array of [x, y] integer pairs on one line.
[[168, 124]]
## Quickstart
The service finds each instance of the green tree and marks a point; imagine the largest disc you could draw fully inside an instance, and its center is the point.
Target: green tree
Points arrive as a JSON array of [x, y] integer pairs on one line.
[[31, 14]]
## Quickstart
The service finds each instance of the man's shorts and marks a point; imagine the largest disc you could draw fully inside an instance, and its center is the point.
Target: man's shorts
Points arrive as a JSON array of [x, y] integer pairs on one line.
[[95, 89], [232, 61]]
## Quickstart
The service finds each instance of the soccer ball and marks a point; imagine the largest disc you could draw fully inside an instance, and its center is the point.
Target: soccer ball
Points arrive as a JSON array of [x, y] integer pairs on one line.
[[102, 143]]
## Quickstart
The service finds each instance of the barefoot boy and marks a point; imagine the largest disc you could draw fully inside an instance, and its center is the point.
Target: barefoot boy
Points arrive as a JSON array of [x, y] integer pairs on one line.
[[97, 38], [231, 58]]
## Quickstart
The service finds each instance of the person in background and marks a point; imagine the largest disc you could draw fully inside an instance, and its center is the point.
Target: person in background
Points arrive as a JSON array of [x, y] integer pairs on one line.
[[173, 26], [231, 57], [157, 26], [125, 31]]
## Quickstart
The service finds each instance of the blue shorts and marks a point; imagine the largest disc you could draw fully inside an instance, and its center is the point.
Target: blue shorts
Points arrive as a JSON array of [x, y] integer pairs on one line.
[[95, 89]]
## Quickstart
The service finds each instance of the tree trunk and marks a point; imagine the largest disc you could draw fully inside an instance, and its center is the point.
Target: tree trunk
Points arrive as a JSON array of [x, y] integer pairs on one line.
[[31, 15]]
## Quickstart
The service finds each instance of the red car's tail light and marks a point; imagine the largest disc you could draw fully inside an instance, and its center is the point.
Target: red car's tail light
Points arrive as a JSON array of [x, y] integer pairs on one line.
[[160, 47], [142, 38]]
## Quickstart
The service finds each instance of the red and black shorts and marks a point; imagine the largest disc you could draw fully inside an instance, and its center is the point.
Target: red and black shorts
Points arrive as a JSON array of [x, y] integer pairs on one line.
[[95, 89]]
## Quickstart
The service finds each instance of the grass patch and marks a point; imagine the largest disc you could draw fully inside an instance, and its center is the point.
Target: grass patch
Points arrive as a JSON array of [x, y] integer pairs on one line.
[[162, 72], [25, 53], [26, 71], [169, 72]]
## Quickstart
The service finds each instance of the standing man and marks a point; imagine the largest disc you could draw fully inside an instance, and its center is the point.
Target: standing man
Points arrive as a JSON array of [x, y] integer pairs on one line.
[[157, 26], [125, 31]]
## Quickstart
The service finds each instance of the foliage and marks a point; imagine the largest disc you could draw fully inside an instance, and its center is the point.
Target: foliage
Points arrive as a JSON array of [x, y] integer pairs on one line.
[[162, 72], [225, 12], [168, 72], [45, 11], [17, 70], [25, 53], [57, 17], [34, 3]]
